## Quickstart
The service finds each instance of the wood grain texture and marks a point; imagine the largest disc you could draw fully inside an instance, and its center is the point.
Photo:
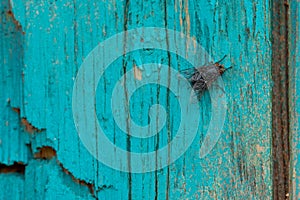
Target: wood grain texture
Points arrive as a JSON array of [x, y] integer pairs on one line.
[[294, 62], [280, 99], [55, 37]]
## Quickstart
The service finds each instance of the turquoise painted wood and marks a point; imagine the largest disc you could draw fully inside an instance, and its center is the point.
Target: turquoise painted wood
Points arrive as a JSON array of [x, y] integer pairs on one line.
[[44, 43], [294, 99]]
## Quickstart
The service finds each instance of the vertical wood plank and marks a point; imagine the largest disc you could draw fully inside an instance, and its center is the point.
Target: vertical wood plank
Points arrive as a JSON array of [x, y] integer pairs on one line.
[[12, 137], [280, 98], [60, 34], [294, 80]]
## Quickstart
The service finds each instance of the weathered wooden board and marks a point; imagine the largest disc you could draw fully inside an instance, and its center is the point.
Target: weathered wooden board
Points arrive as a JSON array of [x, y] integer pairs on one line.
[[43, 45], [294, 81]]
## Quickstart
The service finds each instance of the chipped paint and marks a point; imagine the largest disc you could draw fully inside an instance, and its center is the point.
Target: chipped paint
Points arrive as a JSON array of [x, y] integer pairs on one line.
[[45, 152], [17, 167], [137, 73], [28, 127]]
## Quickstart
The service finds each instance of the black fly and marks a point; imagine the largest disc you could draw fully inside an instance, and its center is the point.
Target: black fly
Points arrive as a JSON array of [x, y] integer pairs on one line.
[[201, 78]]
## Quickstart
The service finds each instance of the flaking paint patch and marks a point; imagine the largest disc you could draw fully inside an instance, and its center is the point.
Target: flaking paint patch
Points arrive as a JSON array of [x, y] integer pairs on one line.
[[48, 153], [45, 152], [14, 19], [223, 180], [180, 13], [78, 181], [259, 148], [188, 21], [27, 125], [17, 167], [137, 73]]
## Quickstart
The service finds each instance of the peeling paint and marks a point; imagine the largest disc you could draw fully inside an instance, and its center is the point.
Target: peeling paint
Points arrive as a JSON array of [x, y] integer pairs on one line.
[[232, 170], [27, 125], [137, 73], [259, 148], [76, 180], [18, 25], [14, 20], [45, 152], [15, 168]]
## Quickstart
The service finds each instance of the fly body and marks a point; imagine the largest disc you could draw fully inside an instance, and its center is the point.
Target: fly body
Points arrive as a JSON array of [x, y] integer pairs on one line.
[[201, 78]]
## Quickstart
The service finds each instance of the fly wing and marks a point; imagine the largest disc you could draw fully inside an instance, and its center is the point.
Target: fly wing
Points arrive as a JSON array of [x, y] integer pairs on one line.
[[200, 85], [189, 73], [192, 74], [196, 79]]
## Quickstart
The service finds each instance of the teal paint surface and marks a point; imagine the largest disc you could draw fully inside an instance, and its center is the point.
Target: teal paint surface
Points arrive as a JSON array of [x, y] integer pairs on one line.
[[12, 136], [294, 99], [42, 180], [58, 35], [53, 182], [12, 186]]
